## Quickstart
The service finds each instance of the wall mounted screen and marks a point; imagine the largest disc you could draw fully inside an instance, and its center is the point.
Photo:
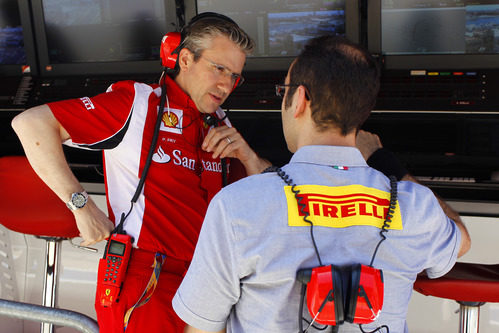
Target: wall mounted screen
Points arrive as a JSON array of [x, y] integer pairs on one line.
[[11, 34], [281, 28], [439, 27]]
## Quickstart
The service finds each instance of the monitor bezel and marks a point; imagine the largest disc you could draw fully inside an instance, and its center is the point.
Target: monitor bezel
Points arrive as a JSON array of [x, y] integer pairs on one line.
[[352, 31], [29, 46], [48, 69], [421, 61]]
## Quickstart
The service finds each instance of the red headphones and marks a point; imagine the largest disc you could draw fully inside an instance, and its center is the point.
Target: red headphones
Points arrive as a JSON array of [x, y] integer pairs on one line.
[[172, 42], [337, 294], [169, 44]]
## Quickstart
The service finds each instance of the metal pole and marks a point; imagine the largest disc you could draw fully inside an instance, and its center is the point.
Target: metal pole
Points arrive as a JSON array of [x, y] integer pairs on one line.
[[469, 314], [50, 280], [40, 313]]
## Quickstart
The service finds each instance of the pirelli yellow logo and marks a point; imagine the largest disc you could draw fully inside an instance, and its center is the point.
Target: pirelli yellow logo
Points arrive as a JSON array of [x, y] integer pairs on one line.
[[341, 206]]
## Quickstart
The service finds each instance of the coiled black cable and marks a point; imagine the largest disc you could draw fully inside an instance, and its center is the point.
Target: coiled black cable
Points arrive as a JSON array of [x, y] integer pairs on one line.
[[389, 215], [285, 177]]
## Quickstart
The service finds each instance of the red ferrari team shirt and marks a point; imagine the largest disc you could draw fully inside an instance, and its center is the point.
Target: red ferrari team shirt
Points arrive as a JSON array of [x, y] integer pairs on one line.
[[182, 178]]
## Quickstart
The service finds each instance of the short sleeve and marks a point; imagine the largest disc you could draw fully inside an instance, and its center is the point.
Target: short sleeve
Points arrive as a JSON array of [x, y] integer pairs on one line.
[[211, 286], [442, 237], [444, 249], [90, 121]]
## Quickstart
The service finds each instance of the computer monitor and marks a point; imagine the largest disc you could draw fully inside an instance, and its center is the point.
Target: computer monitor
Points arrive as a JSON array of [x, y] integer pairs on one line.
[[435, 34], [281, 28], [101, 36], [17, 54]]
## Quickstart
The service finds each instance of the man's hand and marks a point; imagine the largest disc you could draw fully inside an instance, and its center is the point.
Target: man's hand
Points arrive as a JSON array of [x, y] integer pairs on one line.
[[93, 224], [367, 143], [224, 141]]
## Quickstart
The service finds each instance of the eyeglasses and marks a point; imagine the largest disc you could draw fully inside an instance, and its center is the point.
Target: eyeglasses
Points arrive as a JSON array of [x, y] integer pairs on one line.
[[280, 89], [237, 79]]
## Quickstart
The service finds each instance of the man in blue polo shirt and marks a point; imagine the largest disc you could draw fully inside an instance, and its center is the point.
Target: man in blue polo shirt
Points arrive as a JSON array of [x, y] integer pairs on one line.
[[255, 237]]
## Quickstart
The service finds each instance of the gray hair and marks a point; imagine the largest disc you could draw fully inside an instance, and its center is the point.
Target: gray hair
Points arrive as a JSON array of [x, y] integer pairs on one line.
[[198, 37]]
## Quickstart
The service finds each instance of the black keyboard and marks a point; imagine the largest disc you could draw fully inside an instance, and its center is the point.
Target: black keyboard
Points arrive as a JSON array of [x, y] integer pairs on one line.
[[463, 188], [15, 92], [450, 180]]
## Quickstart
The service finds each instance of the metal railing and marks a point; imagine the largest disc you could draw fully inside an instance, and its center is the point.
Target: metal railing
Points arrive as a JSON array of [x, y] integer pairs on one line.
[[54, 316]]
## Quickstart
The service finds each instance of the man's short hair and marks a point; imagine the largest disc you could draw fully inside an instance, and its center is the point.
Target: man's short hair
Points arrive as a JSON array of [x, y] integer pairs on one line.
[[200, 33], [342, 79]]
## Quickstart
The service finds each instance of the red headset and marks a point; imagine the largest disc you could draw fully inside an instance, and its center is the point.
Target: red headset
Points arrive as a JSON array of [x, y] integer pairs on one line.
[[338, 294], [172, 42], [349, 293], [168, 52]]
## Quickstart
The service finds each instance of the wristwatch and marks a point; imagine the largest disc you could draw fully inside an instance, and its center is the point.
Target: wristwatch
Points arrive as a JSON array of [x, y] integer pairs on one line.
[[78, 200]]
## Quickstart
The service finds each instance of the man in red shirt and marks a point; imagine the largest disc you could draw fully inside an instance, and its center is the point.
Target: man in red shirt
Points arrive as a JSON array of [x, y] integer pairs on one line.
[[185, 171]]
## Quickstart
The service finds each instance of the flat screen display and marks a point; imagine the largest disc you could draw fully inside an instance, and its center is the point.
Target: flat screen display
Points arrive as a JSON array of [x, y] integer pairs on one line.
[[80, 31], [415, 27], [281, 28], [11, 34]]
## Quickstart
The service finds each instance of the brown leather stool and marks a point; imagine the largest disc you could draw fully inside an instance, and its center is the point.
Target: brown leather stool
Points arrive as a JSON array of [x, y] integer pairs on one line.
[[471, 285], [28, 206]]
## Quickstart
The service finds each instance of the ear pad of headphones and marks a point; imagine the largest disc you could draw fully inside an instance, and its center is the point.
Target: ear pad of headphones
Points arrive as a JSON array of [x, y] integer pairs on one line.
[[325, 295], [365, 299], [169, 44]]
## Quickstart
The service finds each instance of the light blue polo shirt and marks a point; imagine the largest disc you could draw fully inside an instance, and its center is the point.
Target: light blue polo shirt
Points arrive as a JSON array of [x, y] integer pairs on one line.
[[243, 272]]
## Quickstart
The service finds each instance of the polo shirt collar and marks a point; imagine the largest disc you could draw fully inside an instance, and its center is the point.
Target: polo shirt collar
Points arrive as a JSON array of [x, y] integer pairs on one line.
[[329, 155], [180, 97]]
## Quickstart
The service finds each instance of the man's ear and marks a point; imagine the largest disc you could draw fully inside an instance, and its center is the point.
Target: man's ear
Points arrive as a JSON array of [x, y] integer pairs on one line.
[[185, 58], [301, 101]]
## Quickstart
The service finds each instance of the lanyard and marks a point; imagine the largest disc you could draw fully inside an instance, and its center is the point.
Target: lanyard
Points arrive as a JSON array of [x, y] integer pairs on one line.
[[119, 227], [159, 260]]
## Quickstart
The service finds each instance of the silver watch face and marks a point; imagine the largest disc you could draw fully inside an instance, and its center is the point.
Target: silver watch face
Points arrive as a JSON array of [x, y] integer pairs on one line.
[[79, 200]]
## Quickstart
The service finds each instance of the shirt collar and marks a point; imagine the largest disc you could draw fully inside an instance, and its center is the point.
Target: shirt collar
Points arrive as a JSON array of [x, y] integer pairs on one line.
[[173, 89], [329, 155]]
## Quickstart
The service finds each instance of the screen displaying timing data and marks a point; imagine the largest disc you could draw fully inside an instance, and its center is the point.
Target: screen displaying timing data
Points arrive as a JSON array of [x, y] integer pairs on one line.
[[281, 27], [103, 30], [439, 27], [11, 34]]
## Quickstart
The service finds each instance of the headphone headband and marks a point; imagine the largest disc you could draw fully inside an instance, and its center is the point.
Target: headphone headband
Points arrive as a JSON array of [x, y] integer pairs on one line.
[[210, 15]]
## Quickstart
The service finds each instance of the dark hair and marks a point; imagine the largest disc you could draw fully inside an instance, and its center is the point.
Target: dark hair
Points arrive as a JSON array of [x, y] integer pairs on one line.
[[342, 79]]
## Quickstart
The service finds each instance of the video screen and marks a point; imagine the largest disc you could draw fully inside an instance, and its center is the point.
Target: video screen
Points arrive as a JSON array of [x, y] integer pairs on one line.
[[104, 30], [281, 27], [11, 34], [439, 27]]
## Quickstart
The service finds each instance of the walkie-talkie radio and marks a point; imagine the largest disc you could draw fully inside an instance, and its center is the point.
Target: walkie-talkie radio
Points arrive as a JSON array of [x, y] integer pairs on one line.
[[112, 268]]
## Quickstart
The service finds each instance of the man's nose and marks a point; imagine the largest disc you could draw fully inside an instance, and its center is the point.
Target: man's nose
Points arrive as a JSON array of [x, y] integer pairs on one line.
[[226, 83]]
